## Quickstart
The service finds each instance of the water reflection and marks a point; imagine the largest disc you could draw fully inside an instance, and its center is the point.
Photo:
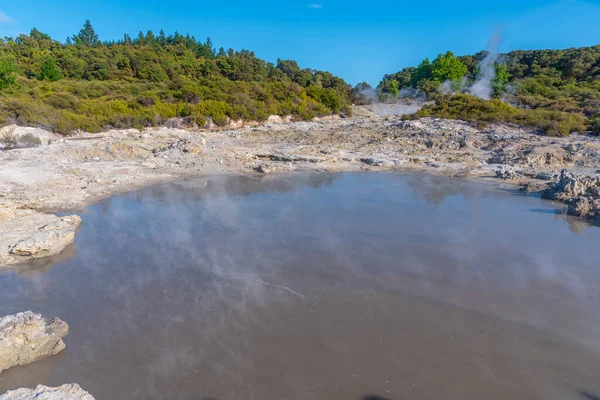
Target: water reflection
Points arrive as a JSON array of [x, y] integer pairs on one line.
[[435, 190], [320, 286]]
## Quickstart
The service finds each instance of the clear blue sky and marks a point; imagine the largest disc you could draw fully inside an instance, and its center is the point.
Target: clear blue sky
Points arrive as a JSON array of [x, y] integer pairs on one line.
[[357, 40]]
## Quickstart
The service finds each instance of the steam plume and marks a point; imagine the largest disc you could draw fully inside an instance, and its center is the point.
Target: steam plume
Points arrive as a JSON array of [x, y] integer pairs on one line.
[[482, 87]]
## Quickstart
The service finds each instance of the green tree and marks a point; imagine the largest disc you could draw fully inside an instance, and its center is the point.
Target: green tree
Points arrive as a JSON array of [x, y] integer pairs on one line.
[[49, 71], [422, 72], [37, 35], [8, 72], [394, 88], [447, 67], [87, 36], [501, 79]]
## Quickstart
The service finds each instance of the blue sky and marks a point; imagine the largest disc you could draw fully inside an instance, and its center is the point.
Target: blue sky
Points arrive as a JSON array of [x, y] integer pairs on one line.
[[357, 40]]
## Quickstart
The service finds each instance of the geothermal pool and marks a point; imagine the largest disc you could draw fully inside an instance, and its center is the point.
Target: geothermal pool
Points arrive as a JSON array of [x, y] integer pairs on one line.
[[323, 286]]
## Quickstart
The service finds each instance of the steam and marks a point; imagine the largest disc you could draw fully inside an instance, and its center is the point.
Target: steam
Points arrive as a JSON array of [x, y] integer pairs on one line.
[[452, 87], [408, 101], [482, 87]]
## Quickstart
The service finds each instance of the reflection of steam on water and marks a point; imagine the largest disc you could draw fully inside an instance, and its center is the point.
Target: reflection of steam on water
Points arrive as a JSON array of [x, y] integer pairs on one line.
[[234, 286]]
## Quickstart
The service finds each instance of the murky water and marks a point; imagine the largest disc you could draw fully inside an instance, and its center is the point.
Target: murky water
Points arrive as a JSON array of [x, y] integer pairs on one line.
[[347, 286]]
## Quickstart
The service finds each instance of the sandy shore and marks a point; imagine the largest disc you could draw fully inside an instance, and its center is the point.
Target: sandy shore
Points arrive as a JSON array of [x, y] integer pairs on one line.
[[69, 173]]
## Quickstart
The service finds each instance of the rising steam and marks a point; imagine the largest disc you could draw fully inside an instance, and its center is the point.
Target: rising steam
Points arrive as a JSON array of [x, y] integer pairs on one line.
[[482, 87]]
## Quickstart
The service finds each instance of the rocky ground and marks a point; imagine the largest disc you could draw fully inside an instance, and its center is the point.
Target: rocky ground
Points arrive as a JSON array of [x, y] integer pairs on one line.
[[66, 173]]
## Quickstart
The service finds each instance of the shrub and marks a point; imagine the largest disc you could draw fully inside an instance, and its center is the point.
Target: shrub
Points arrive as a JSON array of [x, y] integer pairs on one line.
[[8, 140], [469, 108], [29, 140]]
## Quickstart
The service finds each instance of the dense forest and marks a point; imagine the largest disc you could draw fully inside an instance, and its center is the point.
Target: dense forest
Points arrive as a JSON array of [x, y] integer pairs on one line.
[[558, 90], [85, 83]]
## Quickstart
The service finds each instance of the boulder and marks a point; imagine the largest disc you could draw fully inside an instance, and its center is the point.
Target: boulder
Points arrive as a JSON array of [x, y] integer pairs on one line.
[[65, 392], [26, 337]]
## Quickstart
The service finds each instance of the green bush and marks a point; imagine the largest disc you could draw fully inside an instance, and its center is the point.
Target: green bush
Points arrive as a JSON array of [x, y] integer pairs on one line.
[[49, 71], [469, 108], [8, 72]]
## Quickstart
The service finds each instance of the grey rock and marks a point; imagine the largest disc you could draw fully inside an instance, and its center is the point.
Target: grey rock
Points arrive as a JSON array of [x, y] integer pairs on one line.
[[570, 186], [65, 392], [583, 207], [26, 337], [509, 174], [47, 240]]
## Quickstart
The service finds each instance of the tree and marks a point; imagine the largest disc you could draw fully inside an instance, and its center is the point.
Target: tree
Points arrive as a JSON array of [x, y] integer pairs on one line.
[[447, 67], [362, 94], [501, 79], [49, 71], [8, 72], [394, 88], [87, 36], [422, 72], [37, 35]]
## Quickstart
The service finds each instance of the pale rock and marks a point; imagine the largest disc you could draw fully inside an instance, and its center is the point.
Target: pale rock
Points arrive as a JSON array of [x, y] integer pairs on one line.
[[65, 392], [47, 240], [26, 337]]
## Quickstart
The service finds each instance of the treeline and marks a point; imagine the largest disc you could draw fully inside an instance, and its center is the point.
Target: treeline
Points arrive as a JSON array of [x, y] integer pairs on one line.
[[92, 85], [561, 81]]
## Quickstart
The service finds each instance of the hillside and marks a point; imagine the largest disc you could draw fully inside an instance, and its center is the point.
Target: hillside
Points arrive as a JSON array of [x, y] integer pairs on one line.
[[92, 85], [560, 84]]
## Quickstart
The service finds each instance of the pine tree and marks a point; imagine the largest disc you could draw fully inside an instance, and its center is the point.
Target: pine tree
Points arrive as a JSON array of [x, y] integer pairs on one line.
[[87, 36]]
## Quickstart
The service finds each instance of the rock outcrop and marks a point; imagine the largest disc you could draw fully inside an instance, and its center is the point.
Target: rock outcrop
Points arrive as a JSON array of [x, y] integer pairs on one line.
[[580, 192], [570, 186], [49, 239], [26, 337], [584, 207], [26, 234], [65, 392]]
